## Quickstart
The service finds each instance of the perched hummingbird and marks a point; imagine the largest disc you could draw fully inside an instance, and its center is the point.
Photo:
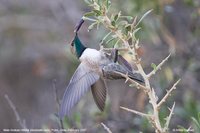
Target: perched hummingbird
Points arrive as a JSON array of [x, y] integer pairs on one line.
[[95, 67]]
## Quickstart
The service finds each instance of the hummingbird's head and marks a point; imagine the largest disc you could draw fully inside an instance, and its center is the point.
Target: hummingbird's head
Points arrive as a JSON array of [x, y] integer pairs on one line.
[[72, 48], [76, 45], [77, 27]]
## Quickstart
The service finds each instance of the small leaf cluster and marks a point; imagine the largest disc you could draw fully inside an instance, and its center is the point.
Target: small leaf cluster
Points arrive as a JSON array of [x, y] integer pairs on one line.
[[124, 27]]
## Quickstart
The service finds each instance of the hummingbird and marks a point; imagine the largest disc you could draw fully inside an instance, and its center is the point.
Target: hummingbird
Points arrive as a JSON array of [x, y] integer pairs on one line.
[[94, 68]]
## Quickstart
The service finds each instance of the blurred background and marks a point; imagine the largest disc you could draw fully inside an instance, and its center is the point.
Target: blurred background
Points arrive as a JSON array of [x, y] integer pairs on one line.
[[35, 57]]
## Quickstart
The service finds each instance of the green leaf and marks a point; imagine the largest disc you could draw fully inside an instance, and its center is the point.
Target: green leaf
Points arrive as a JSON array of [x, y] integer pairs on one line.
[[105, 37], [129, 18], [98, 13], [113, 23], [110, 40], [132, 85], [111, 27], [143, 17], [89, 14], [116, 17], [153, 66], [130, 53], [136, 30], [122, 23], [128, 28], [116, 44], [88, 2], [90, 19], [92, 26], [112, 17], [108, 4], [114, 36]]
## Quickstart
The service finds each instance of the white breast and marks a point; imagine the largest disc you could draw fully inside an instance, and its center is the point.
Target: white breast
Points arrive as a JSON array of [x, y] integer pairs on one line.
[[91, 56]]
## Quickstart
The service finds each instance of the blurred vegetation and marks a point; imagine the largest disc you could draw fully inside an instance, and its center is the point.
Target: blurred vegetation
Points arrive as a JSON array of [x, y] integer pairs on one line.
[[34, 50]]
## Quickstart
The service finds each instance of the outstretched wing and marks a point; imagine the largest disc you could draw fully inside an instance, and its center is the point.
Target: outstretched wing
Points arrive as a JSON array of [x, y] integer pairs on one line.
[[79, 84], [99, 93]]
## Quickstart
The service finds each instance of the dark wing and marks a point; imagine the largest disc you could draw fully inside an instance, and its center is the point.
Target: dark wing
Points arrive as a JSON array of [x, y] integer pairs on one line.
[[99, 93], [113, 70], [79, 84], [124, 63]]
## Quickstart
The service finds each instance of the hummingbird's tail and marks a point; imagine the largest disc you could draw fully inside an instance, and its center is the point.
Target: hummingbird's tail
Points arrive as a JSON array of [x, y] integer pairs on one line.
[[114, 71]]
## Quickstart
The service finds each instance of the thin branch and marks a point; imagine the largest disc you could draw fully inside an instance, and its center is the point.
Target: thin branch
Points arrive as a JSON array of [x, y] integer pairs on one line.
[[106, 128], [139, 86], [168, 94], [136, 112], [57, 102], [143, 17], [158, 67], [169, 117], [102, 41], [21, 122]]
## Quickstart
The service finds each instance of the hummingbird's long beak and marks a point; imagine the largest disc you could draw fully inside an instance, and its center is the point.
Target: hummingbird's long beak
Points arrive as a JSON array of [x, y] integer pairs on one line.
[[78, 26], [76, 29]]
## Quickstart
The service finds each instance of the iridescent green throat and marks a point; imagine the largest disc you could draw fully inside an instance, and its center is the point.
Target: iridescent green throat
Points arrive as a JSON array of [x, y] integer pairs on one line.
[[79, 47]]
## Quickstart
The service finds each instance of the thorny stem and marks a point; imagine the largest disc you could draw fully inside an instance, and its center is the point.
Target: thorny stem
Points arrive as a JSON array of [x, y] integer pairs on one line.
[[136, 112], [151, 93], [158, 67], [133, 47], [168, 94], [169, 118]]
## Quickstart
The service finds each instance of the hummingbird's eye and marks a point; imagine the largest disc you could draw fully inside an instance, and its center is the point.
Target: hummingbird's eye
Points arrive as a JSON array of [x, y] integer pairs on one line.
[[72, 43]]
